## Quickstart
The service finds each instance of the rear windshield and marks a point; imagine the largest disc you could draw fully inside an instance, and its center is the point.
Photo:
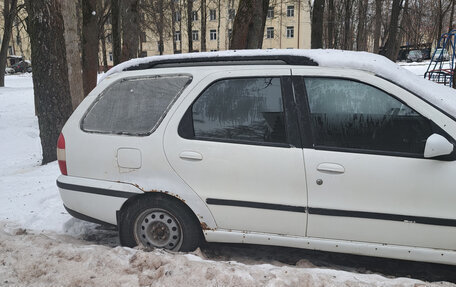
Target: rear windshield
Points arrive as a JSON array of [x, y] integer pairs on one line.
[[134, 106]]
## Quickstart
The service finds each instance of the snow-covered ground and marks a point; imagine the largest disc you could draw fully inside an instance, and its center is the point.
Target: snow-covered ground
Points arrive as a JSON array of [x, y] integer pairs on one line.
[[42, 245]]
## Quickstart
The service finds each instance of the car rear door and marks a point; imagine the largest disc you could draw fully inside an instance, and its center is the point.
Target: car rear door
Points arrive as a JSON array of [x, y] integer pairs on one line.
[[366, 175], [234, 140]]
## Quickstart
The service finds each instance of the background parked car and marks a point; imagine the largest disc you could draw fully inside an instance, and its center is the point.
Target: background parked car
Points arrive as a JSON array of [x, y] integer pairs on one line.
[[414, 56], [22, 67], [441, 55], [9, 71]]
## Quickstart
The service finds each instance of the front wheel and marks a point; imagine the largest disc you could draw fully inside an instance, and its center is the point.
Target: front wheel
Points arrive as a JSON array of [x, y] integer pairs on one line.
[[157, 222]]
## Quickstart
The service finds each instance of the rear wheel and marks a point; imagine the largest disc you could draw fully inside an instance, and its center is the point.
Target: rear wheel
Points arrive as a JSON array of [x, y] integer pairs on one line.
[[157, 222]]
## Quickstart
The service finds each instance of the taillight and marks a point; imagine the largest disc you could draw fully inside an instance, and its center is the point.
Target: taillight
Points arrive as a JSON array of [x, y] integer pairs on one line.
[[61, 157]]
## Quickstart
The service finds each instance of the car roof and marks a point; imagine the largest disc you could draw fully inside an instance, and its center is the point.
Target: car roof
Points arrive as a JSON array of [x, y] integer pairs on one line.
[[444, 98]]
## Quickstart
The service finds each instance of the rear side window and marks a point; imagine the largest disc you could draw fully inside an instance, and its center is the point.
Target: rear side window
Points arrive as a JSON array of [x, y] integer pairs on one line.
[[241, 110], [134, 106], [353, 115]]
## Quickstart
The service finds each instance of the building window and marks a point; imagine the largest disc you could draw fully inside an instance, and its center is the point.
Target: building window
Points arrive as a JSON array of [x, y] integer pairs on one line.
[[290, 11], [195, 36], [177, 16], [270, 12], [270, 32], [177, 36], [194, 15], [10, 50], [290, 32], [110, 56], [230, 33], [212, 14], [231, 14], [213, 35], [109, 38], [143, 36], [214, 50]]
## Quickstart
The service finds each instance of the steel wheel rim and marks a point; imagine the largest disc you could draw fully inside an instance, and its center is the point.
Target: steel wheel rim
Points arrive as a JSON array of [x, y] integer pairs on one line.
[[158, 228]]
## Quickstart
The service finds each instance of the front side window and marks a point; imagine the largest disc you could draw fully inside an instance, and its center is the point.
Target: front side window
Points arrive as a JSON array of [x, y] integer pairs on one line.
[[134, 106], [246, 110], [353, 115]]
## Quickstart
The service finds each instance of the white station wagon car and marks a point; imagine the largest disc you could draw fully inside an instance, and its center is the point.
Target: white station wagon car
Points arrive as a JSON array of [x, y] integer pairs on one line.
[[327, 150]]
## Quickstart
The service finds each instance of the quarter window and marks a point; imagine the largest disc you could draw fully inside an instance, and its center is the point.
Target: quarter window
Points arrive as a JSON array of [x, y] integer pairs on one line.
[[353, 115], [134, 106], [249, 110]]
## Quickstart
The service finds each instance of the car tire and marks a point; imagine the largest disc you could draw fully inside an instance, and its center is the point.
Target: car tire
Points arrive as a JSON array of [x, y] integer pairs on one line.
[[159, 222]]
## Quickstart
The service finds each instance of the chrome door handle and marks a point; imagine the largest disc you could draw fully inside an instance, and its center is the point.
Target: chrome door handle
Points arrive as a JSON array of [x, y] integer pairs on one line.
[[332, 168], [191, 155]]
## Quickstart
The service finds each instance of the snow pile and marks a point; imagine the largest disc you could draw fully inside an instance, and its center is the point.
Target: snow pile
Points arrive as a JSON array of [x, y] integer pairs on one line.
[[438, 95], [48, 259]]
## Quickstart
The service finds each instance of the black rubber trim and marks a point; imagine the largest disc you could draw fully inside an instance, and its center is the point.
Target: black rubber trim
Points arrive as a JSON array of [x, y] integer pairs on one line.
[[383, 216], [81, 216], [251, 204], [96, 190]]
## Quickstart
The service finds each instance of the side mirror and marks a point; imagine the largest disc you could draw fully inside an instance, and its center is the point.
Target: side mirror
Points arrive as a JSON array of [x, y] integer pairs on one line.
[[437, 145]]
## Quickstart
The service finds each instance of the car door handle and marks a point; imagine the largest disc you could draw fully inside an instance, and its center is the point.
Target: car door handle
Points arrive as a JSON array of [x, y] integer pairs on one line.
[[191, 155], [327, 167]]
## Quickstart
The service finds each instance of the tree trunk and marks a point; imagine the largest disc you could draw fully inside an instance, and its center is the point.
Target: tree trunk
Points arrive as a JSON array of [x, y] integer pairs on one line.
[[450, 25], [173, 26], [361, 37], [9, 13], [330, 43], [189, 25], [203, 26], [219, 19], [103, 49], [347, 23], [116, 40], [248, 27], [72, 40], [378, 25], [130, 29], [317, 24], [389, 50], [89, 45], [50, 73]]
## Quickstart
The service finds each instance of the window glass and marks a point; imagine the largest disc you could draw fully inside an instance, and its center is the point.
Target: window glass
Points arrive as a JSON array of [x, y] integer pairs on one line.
[[134, 106], [248, 109], [349, 114]]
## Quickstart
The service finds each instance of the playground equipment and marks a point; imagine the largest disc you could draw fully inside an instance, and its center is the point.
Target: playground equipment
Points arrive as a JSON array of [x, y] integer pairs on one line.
[[442, 65]]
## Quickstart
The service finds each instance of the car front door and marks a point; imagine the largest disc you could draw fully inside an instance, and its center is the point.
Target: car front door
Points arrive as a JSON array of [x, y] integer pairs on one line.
[[235, 142], [367, 177]]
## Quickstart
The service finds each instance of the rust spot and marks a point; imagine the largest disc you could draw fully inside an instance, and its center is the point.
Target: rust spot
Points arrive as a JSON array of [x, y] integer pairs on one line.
[[205, 227]]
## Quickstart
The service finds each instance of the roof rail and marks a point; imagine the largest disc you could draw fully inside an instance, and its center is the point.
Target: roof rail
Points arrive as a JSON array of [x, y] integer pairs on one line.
[[225, 60]]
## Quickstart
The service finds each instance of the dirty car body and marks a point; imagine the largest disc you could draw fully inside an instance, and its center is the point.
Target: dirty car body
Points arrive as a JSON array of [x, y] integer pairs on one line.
[[276, 150]]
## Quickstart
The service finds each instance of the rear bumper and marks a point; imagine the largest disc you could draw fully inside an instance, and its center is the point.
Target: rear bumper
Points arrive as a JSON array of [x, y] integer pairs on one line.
[[94, 200]]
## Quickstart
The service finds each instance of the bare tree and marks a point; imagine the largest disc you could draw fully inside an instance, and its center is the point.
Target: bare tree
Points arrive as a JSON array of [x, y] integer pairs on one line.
[[361, 36], [189, 25], [130, 29], [89, 45], [52, 91], [317, 24], [73, 52], [9, 14], [348, 41], [450, 25], [116, 39], [378, 25], [248, 27], [392, 41], [330, 21], [203, 25]]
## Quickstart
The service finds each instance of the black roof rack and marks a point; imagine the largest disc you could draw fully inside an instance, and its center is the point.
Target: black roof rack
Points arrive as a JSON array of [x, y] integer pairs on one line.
[[225, 60]]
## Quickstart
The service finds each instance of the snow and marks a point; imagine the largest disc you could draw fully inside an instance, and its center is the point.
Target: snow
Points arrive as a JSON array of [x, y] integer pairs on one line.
[[440, 96], [42, 245]]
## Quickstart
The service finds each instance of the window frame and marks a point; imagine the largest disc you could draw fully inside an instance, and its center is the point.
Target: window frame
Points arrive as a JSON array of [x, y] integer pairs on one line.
[[270, 13], [308, 132], [186, 128], [290, 10], [160, 119], [290, 32], [269, 32], [212, 35], [212, 14]]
